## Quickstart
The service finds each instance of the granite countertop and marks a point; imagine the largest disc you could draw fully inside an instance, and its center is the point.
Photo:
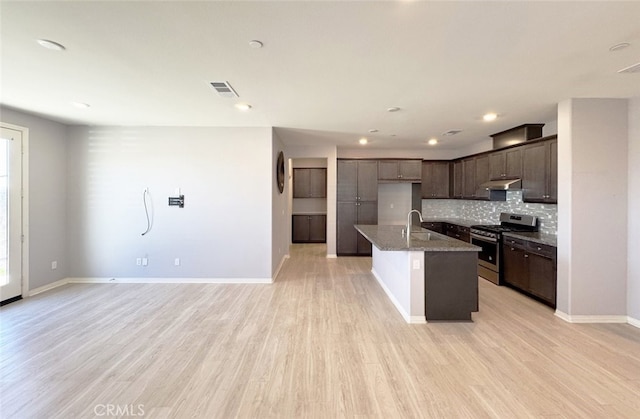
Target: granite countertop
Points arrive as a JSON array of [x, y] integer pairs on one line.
[[537, 237], [389, 237], [458, 221]]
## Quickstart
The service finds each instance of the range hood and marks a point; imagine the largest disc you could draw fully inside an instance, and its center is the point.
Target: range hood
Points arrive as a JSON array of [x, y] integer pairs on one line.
[[502, 185]]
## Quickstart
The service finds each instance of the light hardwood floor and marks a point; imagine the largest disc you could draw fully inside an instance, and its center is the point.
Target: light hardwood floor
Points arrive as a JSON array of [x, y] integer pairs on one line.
[[322, 341]]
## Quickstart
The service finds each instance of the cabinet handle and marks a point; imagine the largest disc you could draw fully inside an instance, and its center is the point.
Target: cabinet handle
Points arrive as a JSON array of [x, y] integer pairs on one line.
[[512, 249], [526, 256]]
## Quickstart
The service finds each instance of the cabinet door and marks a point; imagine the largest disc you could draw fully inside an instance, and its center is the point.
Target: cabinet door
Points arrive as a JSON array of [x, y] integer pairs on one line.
[[346, 234], [552, 196], [426, 188], [301, 183], [458, 179], [440, 179], [318, 228], [542, 278], [534, 168], [514, 267], [317, 183], [410, 169], [300, 229], [347, 180], [482, 176], [367, 213], [469, 182], [497, 165], [367, 180], [513, 163], [388, 170]]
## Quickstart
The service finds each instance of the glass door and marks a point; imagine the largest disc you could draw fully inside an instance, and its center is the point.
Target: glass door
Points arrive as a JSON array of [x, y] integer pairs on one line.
[[10, 214]]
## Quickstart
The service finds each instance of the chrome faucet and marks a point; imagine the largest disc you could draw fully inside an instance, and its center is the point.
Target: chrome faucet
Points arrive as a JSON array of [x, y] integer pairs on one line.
[[409, 220]]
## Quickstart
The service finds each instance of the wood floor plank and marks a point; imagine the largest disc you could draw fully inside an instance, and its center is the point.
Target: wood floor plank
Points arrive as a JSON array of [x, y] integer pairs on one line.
[[322, 341]]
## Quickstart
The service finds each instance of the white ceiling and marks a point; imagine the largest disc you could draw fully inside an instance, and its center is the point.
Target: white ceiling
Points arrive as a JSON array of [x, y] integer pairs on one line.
[[328, 70]]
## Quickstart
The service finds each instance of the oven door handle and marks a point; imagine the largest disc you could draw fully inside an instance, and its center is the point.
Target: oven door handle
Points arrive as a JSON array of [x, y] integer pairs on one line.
[[483, 238]]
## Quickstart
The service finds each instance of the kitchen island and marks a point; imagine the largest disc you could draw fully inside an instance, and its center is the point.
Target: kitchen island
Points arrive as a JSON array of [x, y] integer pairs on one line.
[[428, 276]]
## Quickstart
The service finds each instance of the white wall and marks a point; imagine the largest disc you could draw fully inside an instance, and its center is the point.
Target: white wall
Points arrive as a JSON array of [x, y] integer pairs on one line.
[[47, 196], [633, 281], [223, 232], [280, 227], [592, 207]]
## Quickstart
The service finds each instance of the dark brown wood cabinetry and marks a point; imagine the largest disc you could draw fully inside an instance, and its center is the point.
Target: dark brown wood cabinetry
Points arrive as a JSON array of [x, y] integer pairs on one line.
[[357, 204], [458, 179], [506, 164], [309, 182], [437, 226], [540, 172], [530, 267], [400, 170], [435, 179], [458, 232], [469, 178], [482, 176], [309, 228]]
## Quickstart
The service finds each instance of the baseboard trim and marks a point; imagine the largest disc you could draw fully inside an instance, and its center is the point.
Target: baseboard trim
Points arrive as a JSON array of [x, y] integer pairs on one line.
[[48, 287], [332, 256], [113, 280], [580, 318], [634, 322], [403, 313]]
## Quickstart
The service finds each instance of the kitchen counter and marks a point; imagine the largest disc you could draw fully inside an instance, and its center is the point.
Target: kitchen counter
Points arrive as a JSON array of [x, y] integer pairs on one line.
[[537, 237], [389, 237], [430, 277]]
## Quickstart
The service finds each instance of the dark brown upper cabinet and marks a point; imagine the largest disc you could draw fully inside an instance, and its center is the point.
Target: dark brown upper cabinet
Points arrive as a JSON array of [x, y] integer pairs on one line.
[[540, 172], [482, 176], [435, 179], [400, 170], [309, 183], [506, 164]]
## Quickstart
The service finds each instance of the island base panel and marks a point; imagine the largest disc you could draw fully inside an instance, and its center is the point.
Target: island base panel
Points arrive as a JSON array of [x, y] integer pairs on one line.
[[451, 285]]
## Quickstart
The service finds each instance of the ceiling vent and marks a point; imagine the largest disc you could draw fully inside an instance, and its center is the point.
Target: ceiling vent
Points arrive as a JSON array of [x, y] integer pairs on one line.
[[452, 132], [635, 68], [224, 89]]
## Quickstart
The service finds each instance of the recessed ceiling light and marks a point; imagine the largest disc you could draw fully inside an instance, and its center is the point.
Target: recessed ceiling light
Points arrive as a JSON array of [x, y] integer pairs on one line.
[[243, 106], [393, 109], [45, 43], [255, 44], [373, 130], [618, 47], [432, 141], [490, 116], [81, 105], [363, 141]]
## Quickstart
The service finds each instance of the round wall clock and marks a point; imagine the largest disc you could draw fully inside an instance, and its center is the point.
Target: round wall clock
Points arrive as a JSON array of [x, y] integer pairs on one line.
[[280, 172]]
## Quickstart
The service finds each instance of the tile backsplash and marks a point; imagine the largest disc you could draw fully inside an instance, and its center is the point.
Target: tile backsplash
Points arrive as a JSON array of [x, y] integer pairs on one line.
[[488, 212]]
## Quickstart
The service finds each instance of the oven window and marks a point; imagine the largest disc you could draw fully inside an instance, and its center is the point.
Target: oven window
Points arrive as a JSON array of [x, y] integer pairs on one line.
[[489, 252]]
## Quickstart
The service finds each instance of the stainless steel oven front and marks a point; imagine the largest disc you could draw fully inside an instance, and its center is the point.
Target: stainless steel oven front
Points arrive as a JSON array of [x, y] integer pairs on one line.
[[488, 257]]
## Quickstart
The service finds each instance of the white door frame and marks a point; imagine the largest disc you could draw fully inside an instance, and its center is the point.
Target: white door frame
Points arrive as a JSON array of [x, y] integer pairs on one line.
[[25, 204]]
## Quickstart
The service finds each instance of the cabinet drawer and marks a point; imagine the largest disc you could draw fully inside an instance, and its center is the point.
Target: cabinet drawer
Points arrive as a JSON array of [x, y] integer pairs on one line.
[[542, 249], [513, 242]]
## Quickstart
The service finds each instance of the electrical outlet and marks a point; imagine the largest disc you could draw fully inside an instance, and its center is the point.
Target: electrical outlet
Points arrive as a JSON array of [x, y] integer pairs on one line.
[[145, 261], [139, 261], [176, 261], [391, 206], [416, 264], [54, 264]]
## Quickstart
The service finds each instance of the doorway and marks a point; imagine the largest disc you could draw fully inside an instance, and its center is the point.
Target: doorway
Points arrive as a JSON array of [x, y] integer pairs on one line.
[[11, 202]]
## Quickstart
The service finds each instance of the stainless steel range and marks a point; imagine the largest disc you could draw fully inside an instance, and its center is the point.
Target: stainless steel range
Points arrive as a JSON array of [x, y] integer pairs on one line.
[[489, 239]]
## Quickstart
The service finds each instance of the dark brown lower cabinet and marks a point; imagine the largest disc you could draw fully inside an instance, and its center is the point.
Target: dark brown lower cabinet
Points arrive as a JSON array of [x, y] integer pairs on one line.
[[530, 267], [309, 228], [349, 241]]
